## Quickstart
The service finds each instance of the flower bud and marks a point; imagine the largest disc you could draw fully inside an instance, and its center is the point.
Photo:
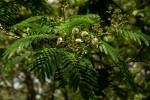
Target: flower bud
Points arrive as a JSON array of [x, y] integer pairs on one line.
[[28, 29], [59, 40], [64, 34], [78, 40], [84, 52], [75, 30], [95, 41], [96, 58], [84, 33]]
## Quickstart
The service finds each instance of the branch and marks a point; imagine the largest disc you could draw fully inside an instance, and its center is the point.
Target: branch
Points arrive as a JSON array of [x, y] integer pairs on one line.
[[5, 32], [105, 34]]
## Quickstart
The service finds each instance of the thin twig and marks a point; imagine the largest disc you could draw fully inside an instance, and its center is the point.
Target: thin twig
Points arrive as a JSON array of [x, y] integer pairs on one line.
[[5, 32], [106, 34]]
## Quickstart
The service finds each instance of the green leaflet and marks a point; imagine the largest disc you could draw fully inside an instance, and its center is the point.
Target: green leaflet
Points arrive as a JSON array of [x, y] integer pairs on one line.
[[80, 75], [121, 65], [80, 20], [110, 51], [132, 34], [47, 61], [26, 23], [25, 42]]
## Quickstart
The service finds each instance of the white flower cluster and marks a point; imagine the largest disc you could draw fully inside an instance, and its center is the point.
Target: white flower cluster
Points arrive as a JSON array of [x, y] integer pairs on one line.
[[83, 34]]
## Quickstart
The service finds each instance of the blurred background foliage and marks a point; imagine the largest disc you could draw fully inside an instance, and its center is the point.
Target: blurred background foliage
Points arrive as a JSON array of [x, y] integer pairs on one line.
[[18, 84]]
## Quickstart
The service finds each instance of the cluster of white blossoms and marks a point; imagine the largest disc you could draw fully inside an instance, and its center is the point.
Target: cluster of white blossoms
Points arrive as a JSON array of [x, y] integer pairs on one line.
[[82, 35]]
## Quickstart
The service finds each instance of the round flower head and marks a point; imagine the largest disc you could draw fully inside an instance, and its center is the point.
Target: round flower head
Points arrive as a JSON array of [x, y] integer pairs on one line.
[[95, 41], [28, 29], [84, 33], [59, 40], [64, 34], [75, 30]]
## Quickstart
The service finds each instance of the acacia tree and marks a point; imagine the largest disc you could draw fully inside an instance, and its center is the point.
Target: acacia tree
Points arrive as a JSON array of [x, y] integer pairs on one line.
[[73, 51]]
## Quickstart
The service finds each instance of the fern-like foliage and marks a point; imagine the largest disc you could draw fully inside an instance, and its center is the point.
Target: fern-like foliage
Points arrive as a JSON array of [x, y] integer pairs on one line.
[[16, 60], [25, 42], [80, 20], [80, 73], [33, 37], [78, 70], [46, 62], [37, 29], [27, 23], [11, 11], [132, 34], [122, 66], [7, 12], [37, 25], [109, 50], [64, 56]]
